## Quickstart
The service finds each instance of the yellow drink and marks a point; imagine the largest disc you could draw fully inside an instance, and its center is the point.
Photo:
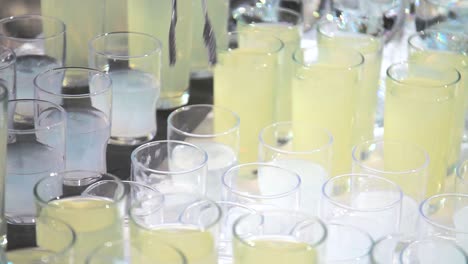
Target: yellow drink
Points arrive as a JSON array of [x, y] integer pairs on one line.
[[29, 256], [273, 250]]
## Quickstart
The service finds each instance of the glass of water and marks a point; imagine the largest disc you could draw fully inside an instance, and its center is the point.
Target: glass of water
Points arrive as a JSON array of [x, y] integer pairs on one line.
[[214, 129], [85, 94], [39, 44], [8, 71], [133, 62]]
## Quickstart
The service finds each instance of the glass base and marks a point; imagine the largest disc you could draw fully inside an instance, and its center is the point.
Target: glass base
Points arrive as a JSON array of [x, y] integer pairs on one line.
[[131, 141], [173, 102]]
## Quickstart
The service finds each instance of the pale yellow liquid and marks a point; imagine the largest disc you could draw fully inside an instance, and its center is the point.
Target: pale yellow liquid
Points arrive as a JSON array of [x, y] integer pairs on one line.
[[245, 82], [366, 99], [425, 119], [83, 19], [273, 251], [95, 221], [31, 256], [197, 246], [153, 17]]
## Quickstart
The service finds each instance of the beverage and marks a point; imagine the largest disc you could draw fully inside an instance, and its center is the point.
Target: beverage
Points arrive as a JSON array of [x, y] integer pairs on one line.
[[29, 255], [134, 98], [27, 68], [95, 220], [88, 131], [273, 250], [198, 246]]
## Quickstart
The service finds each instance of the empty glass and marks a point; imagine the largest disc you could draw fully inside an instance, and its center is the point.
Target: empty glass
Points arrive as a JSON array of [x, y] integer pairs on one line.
[[8, 71], [133, 62], [214, 129], [85, 94], [433, 251], [170, 165], [36, 149], [39, 44], [368, 202]]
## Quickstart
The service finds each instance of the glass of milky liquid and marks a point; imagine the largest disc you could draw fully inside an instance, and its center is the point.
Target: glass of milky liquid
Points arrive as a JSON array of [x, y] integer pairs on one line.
[[133, 62], [39, 44]]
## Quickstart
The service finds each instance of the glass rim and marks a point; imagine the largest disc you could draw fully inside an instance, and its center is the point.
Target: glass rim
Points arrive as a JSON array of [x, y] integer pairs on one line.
[[430, 32], [248, 9], [136, 162], [35, 17], [9, 52], [363, 232], [339, 204], [96, 72], [61, 174], [392, 142], [419, 64], [262, 36], [434, 239], [62, 122], [231, 130], [428, 220], [285, 212], [157, 44], [289, 123], [256, 196], [301, 63]]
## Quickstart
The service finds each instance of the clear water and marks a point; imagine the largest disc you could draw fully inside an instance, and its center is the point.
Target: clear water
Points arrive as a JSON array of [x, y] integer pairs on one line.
[[27, 68]]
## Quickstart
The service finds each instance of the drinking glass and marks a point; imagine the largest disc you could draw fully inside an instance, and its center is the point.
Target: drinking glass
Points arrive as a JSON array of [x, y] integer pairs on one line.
[[39, 44], [8, 71], [172, 25], [129, 251], [262, 185], [442, 14], [3, 161], [368, 202], [387, 250], [307, 151], [445, 216], [170, 165], [422, 107], [347, 245], [214, 129], [36, 149], [278, 237], [461, 182], [403, 163], [85, 94], [133, 62], [339, 33], [247, 73], [432, 251], [54, 243], [286, 25], [324, 91], [96, 218], [185, 220]]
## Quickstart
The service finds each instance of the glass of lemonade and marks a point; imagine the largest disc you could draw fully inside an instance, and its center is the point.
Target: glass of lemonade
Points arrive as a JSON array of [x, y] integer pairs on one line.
[[286, 25], [95, 218], [245, 77], [307, 151], [54, 243], [371, 203], [422, 107], [133, 62], [433, 250], [39, 44], [214, 129], [170, 165], [324, 93], [8, 71], [262, 185], [278, 237], [85, 94], [187, 221]]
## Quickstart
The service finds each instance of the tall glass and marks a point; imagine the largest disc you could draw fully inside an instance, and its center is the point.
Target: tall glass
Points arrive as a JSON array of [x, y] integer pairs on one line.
[[3, 160], [339, 33], [461, 182], [433, 251], [285, 24], [133, 62], [368, 202], [186, 221], [214, 129], [8, 71], [85, 94], [36, 149], [421, 107], [172, 25], [278, 237], [246, 76], [95, 218], [170, 165], [324, 92], [307, 152], [39, 44], [262, 185], [449, 15]]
